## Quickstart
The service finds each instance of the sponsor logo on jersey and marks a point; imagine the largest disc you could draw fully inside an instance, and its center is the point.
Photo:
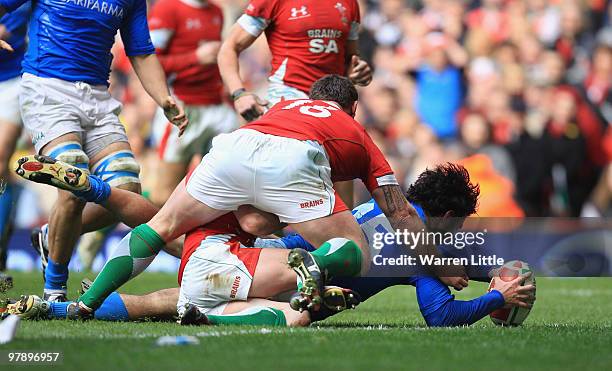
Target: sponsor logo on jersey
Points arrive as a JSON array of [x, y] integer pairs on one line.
[[297, 13], [100, 6], [193, 23], [235, 286], [311, 204]]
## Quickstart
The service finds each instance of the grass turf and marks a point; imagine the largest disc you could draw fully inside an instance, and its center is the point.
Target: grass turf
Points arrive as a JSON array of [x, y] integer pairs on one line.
[[569, 328]]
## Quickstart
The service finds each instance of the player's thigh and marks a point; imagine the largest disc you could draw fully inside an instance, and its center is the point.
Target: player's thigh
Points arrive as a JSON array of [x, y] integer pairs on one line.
[[169, 175], [182, 213], [224, 179], [257, 222], [272, 274], [50, 110], [294, 181], [341, 224]]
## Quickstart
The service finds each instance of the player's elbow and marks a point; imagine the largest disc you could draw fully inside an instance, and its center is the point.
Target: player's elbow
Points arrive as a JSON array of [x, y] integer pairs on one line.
[[446, 316], [439, 320]]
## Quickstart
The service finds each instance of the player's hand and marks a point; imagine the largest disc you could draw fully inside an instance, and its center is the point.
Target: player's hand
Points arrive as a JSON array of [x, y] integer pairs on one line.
[[207, 52], [6, 46], [175, 114], [515, 294], [458, 283], [359, 71], [4, 32], [250, 106]]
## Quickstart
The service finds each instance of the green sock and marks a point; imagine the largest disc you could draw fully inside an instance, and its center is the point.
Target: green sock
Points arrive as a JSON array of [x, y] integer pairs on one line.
[[340, 257], [259, 316], [131, 257]]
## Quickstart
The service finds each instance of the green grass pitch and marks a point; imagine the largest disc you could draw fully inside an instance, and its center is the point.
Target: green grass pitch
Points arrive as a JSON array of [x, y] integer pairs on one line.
[[569, 328]]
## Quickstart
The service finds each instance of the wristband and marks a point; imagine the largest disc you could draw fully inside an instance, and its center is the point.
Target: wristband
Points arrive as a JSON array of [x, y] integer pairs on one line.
[[238, 93]]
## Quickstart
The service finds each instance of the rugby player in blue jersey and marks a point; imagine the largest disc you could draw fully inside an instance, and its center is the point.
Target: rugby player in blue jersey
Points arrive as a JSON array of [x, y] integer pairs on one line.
[[443, 197], [67, 108], [13, 28]]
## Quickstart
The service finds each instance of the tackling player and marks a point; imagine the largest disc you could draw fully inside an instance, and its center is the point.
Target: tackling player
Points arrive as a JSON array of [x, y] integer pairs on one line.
[[187, 36], [13, 28], [308, 39], [67, 109], [285, 166], [219, 250]]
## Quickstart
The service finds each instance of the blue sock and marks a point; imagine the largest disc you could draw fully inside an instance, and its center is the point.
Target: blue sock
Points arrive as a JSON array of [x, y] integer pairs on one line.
[[6, 207], [56, 276], [58, 310], [98, 192], [112, 309], [294, 240]]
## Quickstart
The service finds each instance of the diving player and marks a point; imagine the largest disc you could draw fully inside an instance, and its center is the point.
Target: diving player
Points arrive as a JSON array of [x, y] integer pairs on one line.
[[67, 108]]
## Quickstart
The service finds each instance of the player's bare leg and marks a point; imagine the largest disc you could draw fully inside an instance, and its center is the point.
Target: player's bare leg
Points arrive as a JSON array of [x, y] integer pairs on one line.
[[159, 304], [64, 225], [9, 133], [170, 175], [66, 219]]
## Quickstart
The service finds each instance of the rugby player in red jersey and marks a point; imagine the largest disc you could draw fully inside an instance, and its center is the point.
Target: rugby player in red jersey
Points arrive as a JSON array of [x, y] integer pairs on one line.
[[308, 39], [187, 36], [284, 165]]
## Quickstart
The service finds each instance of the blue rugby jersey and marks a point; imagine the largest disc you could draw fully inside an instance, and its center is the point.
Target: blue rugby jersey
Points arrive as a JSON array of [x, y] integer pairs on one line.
[[71, 39], [17, 24]]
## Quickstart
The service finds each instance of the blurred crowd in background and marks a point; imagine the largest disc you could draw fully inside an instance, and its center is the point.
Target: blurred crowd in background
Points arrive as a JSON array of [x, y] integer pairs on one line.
[[518, 91]]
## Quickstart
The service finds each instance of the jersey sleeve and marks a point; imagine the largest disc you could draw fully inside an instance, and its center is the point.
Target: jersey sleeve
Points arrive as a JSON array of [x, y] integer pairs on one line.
[[355, 22], [162, 24], [10, 5], [135, 31], [262, 9], [379, 171]]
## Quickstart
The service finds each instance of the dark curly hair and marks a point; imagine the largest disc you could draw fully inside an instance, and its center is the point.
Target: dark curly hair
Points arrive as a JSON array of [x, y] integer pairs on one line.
[[447, 187], [335, 88]]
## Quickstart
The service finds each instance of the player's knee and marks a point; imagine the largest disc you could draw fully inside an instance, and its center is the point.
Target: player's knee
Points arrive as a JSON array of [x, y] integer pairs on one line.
[[68, 203], [119, 169], [71, 153], [257, 222]]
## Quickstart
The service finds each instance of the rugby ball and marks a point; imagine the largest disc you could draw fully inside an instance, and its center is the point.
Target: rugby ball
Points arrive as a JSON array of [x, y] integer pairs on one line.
[[511, 316]]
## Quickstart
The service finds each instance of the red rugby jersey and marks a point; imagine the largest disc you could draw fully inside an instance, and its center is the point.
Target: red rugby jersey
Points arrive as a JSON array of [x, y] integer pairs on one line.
[[182, 25], [351, 152], [224, 226], [307, 38]]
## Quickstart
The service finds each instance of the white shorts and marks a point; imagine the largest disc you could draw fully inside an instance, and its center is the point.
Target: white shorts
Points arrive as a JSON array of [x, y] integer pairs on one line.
[[278, 92], [213, 277], [9, 101], [205, 122], [284, 176], [52, 107]]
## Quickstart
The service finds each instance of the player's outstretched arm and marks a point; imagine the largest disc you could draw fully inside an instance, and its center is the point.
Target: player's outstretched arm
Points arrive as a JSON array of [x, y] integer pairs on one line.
[[153, 79], [247, 104], [403, 216]]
